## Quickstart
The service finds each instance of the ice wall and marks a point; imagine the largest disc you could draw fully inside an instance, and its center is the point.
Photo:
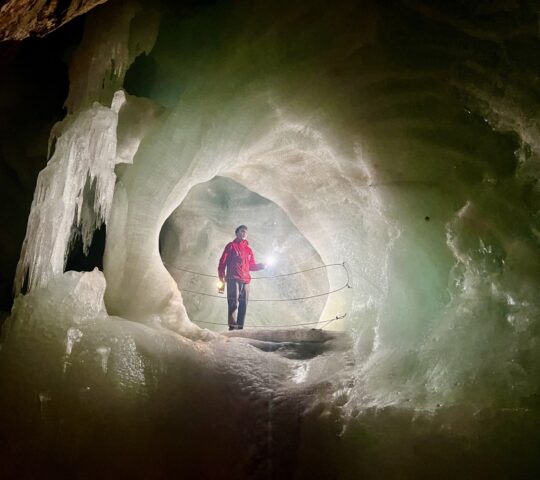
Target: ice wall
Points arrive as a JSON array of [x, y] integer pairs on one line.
[[383, 154], [246, 138]]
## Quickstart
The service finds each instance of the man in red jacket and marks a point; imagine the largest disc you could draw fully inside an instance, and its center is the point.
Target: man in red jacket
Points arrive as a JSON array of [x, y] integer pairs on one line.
[[238, 260]]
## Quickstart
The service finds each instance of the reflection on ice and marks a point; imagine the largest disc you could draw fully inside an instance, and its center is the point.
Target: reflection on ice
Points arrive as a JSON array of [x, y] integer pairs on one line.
[[301, 372], [104, 353]]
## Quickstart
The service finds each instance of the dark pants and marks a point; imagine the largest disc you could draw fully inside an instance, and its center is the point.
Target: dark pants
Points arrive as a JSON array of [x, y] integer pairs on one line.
[[237, 298]]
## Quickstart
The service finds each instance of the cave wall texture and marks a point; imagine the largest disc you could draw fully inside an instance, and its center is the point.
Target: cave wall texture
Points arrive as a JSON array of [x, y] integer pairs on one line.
[[23, 19]]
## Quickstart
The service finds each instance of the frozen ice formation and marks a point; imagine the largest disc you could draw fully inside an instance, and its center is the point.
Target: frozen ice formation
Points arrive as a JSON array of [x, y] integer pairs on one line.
[[400, 140], [408, 207], [74, 191]]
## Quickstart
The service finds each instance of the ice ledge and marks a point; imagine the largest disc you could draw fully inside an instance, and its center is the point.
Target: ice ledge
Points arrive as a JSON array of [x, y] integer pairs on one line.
[[297, 344]]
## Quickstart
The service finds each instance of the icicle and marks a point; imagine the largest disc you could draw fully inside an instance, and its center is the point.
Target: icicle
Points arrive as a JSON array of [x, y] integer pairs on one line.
[[81, 167]]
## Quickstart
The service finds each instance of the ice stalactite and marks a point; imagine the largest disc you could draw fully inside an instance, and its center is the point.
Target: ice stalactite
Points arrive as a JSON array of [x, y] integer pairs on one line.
[[74, 192], [80, 170]]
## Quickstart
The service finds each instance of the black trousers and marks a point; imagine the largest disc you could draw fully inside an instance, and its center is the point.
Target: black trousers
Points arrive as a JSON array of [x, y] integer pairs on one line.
[[237, 298]]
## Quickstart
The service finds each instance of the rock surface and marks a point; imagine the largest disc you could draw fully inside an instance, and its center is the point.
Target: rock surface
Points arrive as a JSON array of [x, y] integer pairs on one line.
[[20, 19]]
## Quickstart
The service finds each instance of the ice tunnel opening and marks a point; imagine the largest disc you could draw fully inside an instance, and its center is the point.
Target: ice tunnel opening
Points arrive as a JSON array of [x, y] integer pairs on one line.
[[192, 240]]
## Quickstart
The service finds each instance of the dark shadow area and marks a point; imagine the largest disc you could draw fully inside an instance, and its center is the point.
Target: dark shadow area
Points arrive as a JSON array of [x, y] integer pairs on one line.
[[80, 262], [33, 87], [140, 76]]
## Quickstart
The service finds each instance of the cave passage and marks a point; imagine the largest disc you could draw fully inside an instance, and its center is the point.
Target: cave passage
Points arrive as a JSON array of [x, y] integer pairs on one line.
[[192, 240]]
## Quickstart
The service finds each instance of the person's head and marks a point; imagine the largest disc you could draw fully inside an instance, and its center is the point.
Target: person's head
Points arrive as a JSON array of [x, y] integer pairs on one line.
[[241, 232]]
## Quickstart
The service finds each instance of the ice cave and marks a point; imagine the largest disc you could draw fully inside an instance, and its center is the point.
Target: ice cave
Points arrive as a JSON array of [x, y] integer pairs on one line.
[[385, 155]]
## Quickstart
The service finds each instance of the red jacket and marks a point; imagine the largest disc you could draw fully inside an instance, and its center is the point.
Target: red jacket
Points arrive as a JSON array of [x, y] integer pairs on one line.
[[239, 260]]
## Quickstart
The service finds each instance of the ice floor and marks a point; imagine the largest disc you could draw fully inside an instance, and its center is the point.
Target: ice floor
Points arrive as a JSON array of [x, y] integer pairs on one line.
[[87, 395]]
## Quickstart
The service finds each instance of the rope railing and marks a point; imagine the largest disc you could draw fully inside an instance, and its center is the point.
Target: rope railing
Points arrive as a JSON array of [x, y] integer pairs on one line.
[[295, 299], [259, 278], [324, 322]]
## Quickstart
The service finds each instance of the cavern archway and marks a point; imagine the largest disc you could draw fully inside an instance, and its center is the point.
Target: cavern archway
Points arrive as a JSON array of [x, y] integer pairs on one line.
[[192, 240], [269, 156]]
